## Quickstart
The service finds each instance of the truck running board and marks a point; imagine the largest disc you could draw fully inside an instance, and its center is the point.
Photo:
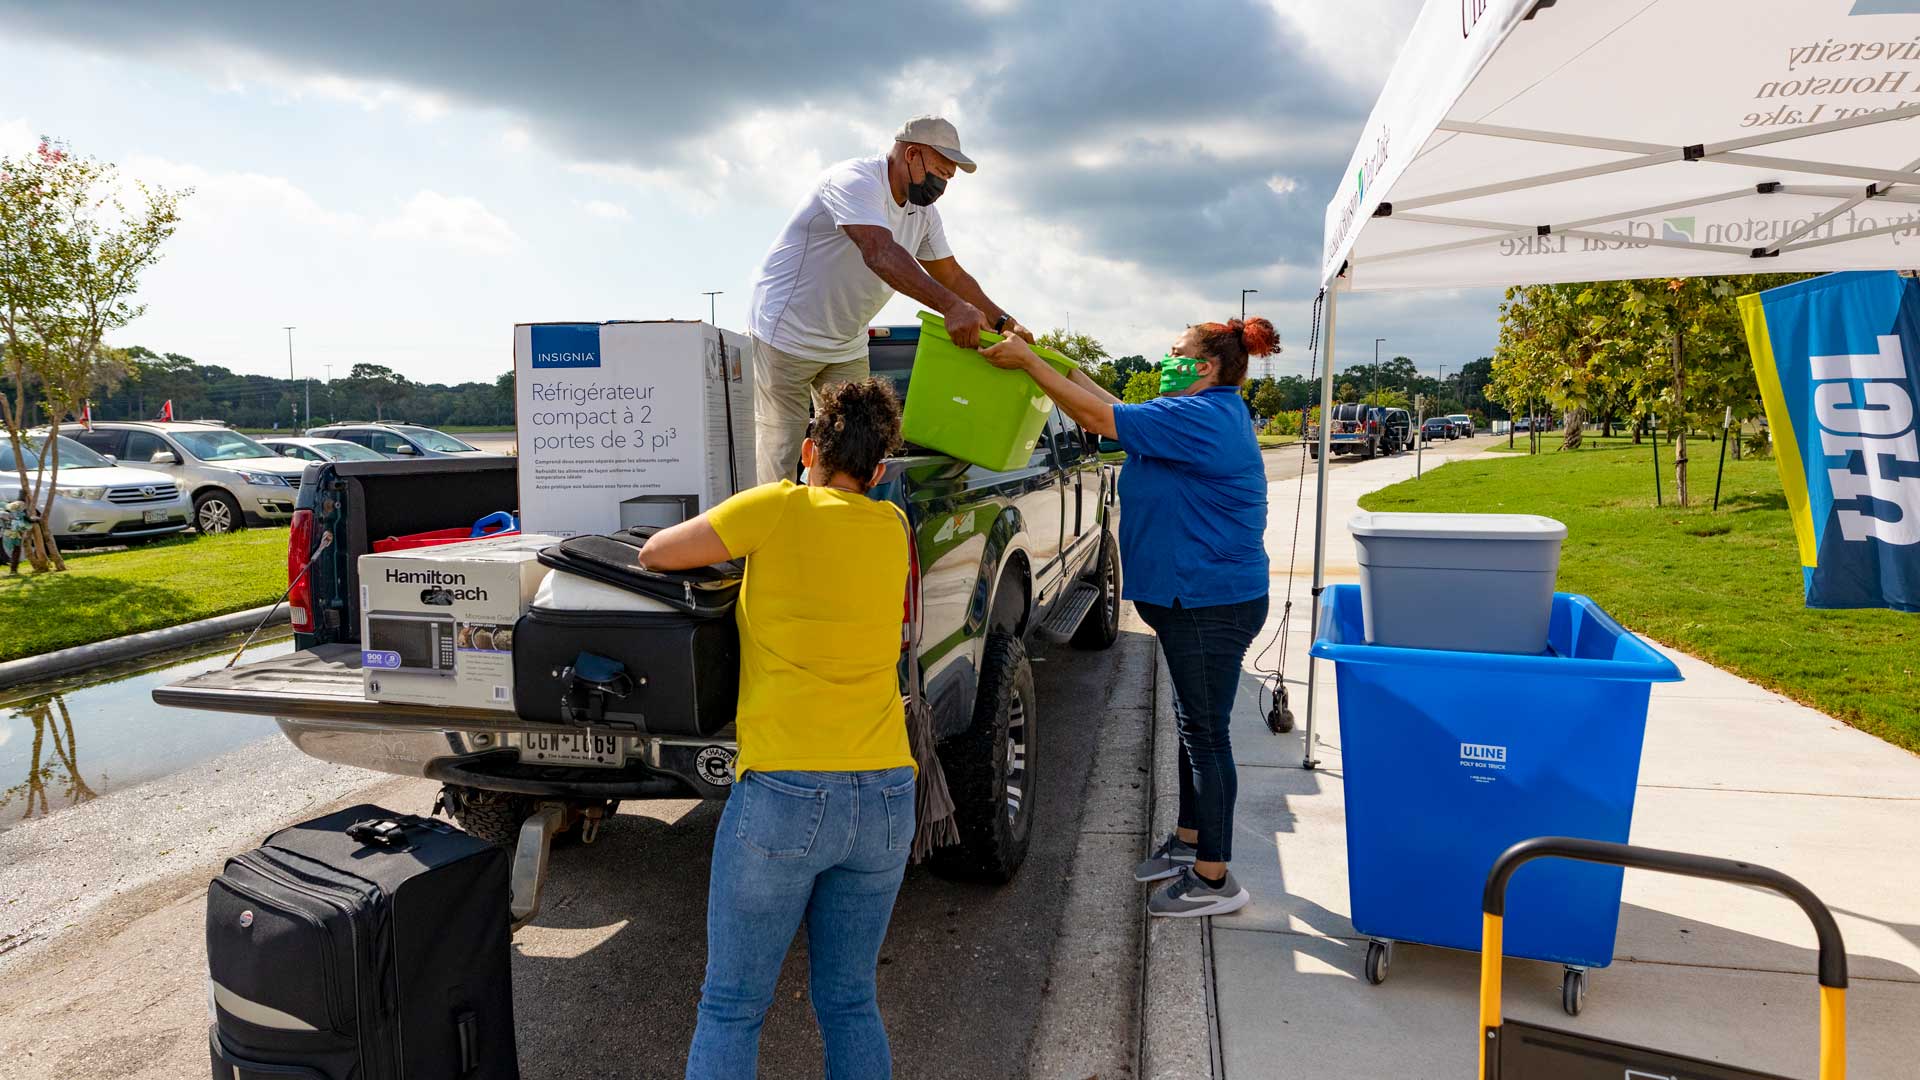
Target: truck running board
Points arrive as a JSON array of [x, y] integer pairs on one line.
[[1068, 612]]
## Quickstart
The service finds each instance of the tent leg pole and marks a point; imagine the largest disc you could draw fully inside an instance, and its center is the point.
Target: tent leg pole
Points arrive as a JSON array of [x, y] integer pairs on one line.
[[1309, 742]]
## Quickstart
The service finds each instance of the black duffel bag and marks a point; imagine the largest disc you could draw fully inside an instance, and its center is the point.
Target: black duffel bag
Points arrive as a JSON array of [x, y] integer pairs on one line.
[[665, 663]]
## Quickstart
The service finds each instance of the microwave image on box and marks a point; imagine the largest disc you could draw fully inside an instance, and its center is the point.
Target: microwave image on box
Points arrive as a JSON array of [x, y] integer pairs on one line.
[[659, 511], [423, 642]]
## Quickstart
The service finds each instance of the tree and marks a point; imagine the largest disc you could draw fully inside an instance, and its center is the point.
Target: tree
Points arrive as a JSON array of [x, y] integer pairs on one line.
[[1268, 401], [1141, 386], [377, 385], [1082, 349], [72, 250]]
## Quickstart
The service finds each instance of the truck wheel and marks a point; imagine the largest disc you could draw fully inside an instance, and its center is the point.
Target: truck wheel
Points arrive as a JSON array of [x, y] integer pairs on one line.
[[217, 512], [989, 770], [487, 815], [1101, 628], [1372, 450], [496, 816]]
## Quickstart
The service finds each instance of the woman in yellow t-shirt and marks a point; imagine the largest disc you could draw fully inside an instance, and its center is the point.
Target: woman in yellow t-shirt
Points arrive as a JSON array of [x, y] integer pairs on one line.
[[821, 819]]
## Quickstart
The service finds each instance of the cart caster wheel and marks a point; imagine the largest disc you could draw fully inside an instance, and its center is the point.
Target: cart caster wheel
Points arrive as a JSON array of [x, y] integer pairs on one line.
[[1573, 991], [1378, 957]]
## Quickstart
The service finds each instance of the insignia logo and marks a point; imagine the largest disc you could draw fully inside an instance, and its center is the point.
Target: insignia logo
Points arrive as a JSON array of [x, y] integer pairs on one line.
[[715, 765]]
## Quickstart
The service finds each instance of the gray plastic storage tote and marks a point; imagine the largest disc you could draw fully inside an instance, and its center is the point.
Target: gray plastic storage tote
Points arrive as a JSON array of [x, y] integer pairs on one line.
[[1464, 582]]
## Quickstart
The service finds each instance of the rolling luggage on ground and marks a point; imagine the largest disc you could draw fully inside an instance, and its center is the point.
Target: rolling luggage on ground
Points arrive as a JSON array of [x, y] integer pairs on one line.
[[364, 945], [608, 644]]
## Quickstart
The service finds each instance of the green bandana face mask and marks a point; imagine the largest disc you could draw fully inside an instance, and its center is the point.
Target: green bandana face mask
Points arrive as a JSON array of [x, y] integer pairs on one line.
[[1178, 373]]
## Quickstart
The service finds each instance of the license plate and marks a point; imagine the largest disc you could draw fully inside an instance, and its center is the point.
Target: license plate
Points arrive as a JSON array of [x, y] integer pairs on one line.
[[572, 748], [156, 517]]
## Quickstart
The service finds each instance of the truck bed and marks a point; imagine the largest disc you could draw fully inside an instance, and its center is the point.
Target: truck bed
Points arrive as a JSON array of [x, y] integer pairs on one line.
[[321, 683]]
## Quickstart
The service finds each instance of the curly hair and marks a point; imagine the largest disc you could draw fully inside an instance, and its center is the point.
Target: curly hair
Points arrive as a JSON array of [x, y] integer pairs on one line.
[[1229, 344], [855, 426]]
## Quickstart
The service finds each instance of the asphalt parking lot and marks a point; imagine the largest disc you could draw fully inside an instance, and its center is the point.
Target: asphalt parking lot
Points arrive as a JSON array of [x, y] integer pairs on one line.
[[105, 978]]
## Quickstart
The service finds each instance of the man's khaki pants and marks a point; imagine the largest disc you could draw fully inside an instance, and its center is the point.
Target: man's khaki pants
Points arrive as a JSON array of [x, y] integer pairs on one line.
[[783, 386]]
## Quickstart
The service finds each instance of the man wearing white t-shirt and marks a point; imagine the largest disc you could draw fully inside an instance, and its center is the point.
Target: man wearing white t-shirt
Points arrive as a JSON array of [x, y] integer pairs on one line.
[[866, 230]]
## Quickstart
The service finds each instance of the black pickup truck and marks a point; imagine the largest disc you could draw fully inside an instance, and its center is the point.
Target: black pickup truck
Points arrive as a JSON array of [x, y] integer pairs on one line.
[[1004, 558]]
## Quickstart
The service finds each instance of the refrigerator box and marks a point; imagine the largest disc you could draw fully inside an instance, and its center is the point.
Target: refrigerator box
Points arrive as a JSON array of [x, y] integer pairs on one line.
[[621, 424], [436, 624]]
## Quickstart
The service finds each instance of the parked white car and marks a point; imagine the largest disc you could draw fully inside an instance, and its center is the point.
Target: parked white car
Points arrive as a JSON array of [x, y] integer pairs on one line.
[[97, 501], [305, 449]]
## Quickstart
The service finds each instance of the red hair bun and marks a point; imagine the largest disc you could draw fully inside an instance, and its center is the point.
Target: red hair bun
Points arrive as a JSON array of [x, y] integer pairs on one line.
[[1257, 334]]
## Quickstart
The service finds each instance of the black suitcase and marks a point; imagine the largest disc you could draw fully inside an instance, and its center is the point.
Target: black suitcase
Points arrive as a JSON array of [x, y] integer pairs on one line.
[[364, 945], [673, 670]]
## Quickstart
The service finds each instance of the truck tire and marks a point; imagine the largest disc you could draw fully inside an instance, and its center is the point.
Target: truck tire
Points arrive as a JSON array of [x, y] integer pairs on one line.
[[1372, 450], [1101, 628], [216, 512], [496, 816], [488, 815], [989, 770]]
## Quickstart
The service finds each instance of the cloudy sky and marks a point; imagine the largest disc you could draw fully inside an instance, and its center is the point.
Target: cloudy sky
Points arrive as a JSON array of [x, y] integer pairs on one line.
[[405, 182]]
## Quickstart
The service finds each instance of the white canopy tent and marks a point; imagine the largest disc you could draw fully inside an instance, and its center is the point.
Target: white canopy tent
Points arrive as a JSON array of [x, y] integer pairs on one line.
[[1533, 141]]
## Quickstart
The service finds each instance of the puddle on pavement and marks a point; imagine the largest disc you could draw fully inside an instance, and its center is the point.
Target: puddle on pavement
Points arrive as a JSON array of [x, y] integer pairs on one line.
[[71, 740]]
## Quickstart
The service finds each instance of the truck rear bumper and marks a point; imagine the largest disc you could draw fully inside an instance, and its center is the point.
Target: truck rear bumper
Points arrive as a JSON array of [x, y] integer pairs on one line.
[[655, 768]]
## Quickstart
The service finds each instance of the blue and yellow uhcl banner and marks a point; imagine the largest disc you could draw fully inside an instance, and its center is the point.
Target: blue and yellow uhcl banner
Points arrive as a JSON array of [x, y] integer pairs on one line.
[[1838, 359]]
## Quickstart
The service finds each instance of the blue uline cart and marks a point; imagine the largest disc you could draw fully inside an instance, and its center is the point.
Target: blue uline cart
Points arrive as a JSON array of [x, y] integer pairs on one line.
[[1450, 758]]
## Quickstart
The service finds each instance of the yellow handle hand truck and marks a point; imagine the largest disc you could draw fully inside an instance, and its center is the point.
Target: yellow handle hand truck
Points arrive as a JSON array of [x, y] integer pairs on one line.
[[1515, 1050]]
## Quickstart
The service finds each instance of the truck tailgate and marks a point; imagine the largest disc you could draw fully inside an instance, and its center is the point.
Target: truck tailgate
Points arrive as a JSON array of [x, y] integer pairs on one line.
[[321, 683]]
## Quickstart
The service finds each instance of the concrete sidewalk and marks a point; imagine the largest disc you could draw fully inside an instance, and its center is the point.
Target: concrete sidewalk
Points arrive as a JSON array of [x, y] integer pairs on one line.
[[1701, 968]]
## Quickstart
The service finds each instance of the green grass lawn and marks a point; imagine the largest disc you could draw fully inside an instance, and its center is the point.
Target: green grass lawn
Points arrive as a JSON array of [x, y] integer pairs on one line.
[[1268, 442], [1725, 586], [155, 585]]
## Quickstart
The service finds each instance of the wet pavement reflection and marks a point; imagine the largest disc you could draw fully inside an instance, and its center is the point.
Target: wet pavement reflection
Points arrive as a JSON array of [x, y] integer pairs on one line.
[[65, 742]]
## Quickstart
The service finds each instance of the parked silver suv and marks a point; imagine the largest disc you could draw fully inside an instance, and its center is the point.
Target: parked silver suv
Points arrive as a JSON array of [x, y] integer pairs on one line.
[[233, 481], [95, 500], [398, 440]]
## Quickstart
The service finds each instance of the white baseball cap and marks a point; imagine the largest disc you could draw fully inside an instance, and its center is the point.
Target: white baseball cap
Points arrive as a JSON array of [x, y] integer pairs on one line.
[[939, 133]]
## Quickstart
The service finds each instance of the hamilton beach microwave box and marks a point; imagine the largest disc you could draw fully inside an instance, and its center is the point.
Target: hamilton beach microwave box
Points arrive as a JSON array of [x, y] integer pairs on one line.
[[436, 624]]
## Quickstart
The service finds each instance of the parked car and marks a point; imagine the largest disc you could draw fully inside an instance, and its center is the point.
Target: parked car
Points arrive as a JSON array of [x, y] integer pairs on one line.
[[1397, 431], [1436, 427], [233, 481], [96, 500], [306, 449], [400, 440], [1004, 559], [1357, 429], [1462, 424]]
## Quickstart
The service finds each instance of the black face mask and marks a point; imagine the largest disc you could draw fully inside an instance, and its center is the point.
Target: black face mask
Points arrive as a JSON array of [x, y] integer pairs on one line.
[[924, 191]]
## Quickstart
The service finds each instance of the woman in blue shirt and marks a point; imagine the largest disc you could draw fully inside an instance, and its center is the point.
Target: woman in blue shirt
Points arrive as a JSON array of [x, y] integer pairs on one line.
[[1194, 514]]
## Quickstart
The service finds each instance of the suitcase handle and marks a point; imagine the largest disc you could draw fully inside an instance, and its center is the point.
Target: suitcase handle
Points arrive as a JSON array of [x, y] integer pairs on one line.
[[593, 679], [380, 832], [468, 1027]]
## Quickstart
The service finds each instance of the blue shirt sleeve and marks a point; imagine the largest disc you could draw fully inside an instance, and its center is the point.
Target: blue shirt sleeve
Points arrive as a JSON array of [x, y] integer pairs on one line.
[[1179, 429]]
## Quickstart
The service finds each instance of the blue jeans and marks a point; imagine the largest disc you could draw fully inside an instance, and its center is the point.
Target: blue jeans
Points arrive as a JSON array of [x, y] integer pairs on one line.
[[829, 846], [1204, 647]]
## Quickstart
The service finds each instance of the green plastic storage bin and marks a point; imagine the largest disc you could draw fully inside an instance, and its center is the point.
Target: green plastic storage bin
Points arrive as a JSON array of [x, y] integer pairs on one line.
[[961, 405]]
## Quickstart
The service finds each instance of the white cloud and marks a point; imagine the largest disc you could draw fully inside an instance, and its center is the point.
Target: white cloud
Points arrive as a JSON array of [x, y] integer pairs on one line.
[[601, 208], [516, 139], [369, 95], [459, 222], [16, 137], [1282, 185]]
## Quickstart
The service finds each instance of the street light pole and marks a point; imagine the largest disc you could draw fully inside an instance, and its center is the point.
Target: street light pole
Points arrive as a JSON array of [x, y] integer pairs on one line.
[[712, 305], [290, 375], [1373, 388]]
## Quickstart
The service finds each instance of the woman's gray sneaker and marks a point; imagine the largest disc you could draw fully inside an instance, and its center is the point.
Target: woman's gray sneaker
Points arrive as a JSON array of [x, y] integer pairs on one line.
[[1172, 856], [1187, 896]]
